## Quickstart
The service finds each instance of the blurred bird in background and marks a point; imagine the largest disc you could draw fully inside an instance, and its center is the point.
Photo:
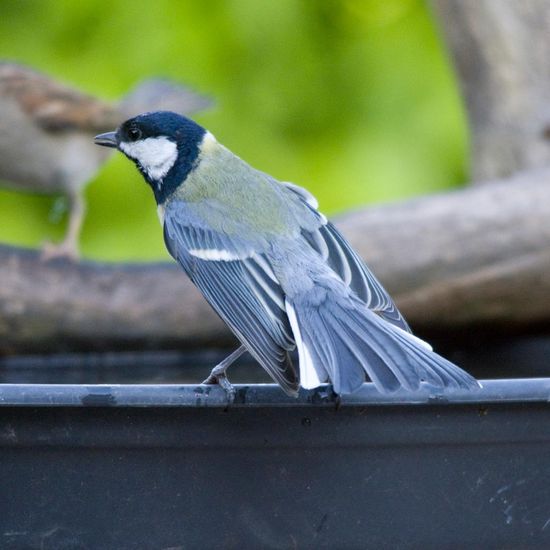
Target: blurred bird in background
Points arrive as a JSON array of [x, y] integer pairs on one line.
[[46, 136]]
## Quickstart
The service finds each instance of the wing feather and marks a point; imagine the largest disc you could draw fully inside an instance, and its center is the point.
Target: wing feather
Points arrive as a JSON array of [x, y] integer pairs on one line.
[[344, 261], [347, 263], [240, 285]]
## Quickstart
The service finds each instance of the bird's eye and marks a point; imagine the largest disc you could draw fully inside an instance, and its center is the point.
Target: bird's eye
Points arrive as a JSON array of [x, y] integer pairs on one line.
[[134, 134]]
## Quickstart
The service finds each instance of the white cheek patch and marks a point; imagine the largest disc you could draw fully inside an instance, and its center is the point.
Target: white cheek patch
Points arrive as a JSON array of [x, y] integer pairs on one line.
[[156, 155]]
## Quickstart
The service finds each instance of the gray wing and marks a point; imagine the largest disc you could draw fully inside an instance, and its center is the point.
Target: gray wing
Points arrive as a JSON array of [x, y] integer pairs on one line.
[[340, 256], [162, 95], [239, 284]]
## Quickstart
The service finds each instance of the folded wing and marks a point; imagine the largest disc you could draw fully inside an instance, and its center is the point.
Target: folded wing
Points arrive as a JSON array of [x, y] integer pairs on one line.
[[339, 255], [238, 282]]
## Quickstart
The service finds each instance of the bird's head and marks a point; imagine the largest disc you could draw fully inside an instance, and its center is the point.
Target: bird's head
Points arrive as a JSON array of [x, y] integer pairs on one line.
[[164, 146]]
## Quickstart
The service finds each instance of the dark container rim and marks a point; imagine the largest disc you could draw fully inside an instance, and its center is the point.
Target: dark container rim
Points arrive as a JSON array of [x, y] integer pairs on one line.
[[261, 395]]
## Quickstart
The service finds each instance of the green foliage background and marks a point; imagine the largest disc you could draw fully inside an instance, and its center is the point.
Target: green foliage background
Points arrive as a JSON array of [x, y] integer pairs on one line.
[[353, 99]]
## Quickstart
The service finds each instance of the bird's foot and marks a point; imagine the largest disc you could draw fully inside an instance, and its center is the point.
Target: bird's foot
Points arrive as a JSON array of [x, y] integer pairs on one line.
[[66, 250], [219, 376]]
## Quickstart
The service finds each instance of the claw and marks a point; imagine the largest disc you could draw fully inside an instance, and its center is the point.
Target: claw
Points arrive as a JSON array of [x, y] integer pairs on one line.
[[65, 249], [222, 380], [218, 375]]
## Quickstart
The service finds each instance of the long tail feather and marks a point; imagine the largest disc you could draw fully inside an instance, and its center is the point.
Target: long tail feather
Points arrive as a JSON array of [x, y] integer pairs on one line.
[[342, 340]]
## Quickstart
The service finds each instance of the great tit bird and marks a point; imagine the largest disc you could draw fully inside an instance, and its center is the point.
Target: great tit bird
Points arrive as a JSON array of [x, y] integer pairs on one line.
[[274, 269], [46, 131]]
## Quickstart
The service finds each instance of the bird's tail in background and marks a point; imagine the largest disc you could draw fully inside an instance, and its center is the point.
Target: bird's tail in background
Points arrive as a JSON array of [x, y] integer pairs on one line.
[[162, 95], [340, 340]]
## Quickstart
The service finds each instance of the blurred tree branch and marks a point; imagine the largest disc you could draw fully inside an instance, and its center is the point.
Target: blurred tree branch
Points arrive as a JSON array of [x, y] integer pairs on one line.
[[501, 50], [478, 257]]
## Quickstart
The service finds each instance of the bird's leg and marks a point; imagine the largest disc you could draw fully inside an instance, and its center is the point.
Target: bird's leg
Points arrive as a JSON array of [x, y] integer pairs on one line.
[[218, 374], [68, 248]]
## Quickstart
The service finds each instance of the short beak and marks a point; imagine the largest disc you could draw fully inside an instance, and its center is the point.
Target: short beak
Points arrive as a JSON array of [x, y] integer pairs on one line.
[[107, 140]]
